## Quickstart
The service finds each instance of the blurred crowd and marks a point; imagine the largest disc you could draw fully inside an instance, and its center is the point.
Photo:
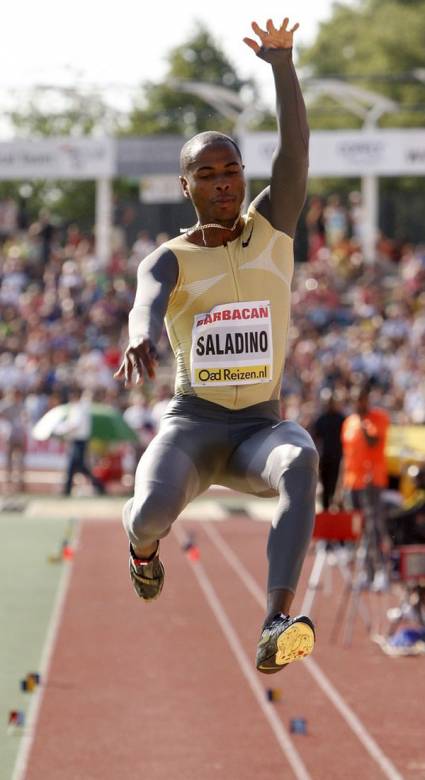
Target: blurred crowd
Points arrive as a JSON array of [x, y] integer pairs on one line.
[[63, 321], [63, 314], [355, 320]]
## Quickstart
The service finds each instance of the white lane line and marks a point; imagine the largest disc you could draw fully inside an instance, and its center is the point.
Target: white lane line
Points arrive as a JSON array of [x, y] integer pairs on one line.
[[246, 667], [46, 658], [353, 721], [355, 724]]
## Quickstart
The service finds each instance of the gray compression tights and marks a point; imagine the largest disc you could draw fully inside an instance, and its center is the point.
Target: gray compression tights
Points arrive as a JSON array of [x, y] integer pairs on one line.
[[250, 450]]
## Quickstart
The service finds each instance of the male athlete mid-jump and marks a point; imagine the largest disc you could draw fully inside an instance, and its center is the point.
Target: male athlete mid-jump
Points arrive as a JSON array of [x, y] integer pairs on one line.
[[223, 289]]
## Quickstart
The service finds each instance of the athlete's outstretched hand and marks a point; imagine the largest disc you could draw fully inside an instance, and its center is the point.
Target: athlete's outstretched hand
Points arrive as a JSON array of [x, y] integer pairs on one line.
[[272, 37], [138, 360]]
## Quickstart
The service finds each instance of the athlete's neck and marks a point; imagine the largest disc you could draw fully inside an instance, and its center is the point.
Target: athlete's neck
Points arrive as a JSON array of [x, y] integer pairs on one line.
[[214, 234]]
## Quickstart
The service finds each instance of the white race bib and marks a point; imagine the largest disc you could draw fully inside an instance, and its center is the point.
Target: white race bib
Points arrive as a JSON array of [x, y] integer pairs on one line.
[[232, 345]]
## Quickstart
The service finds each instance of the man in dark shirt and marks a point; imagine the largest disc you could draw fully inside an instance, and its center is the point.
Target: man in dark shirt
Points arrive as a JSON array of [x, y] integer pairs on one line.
[[326, 432]]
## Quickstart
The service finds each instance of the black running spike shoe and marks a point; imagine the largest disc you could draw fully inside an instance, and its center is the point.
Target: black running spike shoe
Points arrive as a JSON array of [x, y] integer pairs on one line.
[[147, 575], [284, 640]]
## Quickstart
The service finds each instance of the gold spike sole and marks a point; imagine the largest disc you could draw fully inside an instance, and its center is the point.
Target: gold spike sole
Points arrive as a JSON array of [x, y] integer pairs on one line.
[[294, 644]]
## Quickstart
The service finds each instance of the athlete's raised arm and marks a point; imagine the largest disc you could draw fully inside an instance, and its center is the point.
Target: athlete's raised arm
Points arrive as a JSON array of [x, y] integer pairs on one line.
[[281, 204], [156, 278]]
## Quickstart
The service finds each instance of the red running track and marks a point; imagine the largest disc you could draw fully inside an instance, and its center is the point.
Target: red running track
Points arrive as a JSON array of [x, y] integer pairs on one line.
[[169, 689]]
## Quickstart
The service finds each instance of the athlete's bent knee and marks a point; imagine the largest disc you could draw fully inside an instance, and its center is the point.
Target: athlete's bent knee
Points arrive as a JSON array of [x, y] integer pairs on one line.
[[152, 517], [307, 458], [289, 457]]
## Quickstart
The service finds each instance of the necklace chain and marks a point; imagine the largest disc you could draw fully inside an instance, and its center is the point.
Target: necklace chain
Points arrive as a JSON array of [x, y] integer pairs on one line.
[[202, 228]]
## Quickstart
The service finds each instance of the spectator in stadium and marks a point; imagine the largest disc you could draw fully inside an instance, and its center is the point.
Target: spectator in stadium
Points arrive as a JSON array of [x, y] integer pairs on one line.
[[364, 475], [315, 224], [46, 232], [143, 246], [356, 215], [336, 220], [161, 238], [8, 217], [77, 430], [13, 413], [326, 432]]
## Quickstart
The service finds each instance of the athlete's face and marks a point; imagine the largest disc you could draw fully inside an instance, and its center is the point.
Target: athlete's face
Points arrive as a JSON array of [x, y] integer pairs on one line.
[[215, 183]]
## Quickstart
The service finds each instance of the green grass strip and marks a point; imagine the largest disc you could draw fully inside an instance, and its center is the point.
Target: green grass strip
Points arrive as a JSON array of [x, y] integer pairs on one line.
[[28, 585]]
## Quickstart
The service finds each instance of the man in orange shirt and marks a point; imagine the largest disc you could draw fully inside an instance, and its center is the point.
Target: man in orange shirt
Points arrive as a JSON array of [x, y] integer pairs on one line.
[[364, 474]]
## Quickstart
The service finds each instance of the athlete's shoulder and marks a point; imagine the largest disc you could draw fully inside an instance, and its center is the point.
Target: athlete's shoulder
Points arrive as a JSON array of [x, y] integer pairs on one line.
[[179, 244], [259, 215], [160, 263]]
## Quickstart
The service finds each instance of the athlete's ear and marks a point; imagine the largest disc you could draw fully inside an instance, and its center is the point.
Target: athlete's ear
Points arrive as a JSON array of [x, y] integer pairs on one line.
[[184, 186]]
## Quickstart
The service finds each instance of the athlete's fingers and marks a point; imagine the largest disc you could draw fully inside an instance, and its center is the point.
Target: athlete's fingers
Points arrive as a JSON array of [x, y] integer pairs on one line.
[[128, 371], [285, 23], [153, 353], [258, 31], [270, 27], [252, 44], [119, 373], [294, 28], [149, 364], [138, 366], [137, 359], [149, 358]]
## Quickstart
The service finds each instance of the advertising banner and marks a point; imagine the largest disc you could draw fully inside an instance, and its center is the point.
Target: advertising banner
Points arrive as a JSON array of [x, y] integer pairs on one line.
[[346, 153], [57, 158]]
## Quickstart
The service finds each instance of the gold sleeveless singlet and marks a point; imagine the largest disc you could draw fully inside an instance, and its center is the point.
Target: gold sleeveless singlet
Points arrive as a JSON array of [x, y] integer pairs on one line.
[[228, 316]]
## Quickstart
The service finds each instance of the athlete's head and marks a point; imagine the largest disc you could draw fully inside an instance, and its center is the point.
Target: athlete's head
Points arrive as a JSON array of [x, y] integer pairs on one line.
[[212, 177]]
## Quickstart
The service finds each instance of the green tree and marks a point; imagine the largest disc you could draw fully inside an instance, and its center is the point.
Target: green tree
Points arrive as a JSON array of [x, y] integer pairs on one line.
[[161, 108], [62, 111], [375, 44]]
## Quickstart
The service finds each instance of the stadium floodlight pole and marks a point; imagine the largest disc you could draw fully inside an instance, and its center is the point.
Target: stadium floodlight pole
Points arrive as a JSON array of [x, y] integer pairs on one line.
[[103, 219], [370, 196], [228, 103], [370, 184]]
